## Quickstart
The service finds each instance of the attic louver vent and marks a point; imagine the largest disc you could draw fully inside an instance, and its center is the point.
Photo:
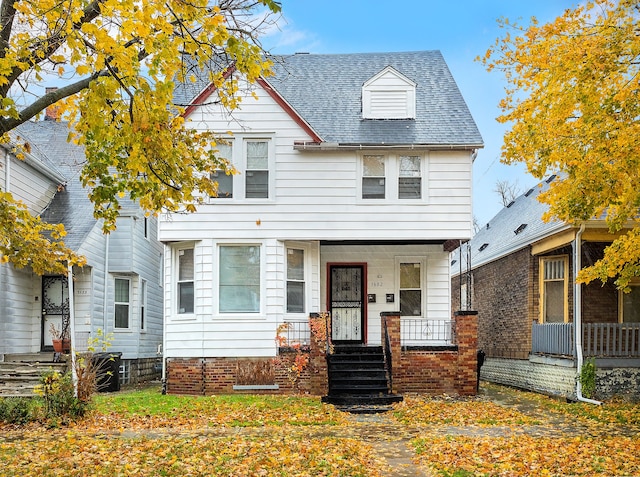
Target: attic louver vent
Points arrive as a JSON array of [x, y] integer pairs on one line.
[[483, 246], [528, 193], [510, 204], [520, 229]]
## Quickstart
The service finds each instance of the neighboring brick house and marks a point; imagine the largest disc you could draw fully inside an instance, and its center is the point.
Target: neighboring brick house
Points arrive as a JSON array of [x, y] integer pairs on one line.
[[354, 175], [518, 272]]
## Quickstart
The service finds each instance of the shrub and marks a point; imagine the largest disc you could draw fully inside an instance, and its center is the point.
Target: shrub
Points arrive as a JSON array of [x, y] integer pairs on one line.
[[588, 377], [58, 395], [18, 410]]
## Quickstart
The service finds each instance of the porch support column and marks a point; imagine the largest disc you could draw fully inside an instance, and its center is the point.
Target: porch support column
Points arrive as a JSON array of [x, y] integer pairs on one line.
[[393, 331], [466, 337], [318, 374]]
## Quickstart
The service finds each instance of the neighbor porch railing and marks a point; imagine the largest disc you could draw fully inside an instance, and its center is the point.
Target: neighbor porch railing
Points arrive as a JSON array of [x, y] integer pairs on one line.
[[420, 332], [615, 340]]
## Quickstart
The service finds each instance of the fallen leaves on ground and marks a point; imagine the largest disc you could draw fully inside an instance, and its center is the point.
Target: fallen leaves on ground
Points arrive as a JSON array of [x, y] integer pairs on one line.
[[420, 411], [276, 454], [525, 455]]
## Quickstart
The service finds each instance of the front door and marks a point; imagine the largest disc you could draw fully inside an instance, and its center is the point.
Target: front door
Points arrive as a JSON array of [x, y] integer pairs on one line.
[[346, 301], [55, 307]]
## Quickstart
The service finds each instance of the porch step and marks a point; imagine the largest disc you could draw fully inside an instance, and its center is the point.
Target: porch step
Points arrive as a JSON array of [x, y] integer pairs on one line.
[[358, 380], [19, 376]]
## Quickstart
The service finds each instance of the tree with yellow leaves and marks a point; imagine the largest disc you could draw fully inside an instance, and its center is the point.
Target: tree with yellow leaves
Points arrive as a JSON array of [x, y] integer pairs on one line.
[[119, 61], [573, 106]]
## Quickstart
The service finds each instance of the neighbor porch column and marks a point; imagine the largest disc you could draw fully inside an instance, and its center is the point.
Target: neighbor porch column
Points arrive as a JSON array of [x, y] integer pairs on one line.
[[318, 374], [466, 337], [393, 330]]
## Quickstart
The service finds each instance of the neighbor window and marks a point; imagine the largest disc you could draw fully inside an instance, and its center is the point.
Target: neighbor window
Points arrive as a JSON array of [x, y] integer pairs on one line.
[[373, 177], [185, 280], [239, 277], [409, 180], [143, 303], [295, 281], [554, 289], [224, 180], [257, 170], [410, 289], [630, 305], [121, 302]]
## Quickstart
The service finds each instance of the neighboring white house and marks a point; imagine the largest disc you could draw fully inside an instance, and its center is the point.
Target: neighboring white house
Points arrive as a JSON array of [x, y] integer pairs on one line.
[[354, 171], [118, 291]]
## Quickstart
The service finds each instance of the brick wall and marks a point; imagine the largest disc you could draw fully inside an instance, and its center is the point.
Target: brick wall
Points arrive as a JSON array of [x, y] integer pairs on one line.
[[437, 371], [504, 300]]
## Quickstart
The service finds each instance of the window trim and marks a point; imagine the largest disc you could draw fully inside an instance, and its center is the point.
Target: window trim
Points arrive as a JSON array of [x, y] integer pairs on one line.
[[216, 285], [423, 282], [116, 303], [541, 283]]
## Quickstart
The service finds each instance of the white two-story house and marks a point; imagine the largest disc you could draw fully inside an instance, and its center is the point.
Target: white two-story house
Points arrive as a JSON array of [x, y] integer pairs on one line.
[[353, 173]]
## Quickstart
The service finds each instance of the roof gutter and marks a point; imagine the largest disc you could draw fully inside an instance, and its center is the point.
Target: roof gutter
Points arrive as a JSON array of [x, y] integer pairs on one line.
[[334, 146], [577, 313]]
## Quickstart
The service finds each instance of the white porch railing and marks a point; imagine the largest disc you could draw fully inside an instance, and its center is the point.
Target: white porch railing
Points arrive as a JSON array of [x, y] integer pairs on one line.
[[420, 332], [297, 333], [619, 340]]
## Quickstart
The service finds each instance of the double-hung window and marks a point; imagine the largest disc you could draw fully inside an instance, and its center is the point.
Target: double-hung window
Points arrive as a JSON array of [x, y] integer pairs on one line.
[[257, 169], [239, 279], [554, 289], [295, 280], [373, 177], [224, 180], [410, 178], [121, 302], [410, 288], [630, 304], [185, 292]]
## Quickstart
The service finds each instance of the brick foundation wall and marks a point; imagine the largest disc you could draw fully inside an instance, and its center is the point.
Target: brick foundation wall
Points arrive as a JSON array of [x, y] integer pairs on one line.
[[444, 371]]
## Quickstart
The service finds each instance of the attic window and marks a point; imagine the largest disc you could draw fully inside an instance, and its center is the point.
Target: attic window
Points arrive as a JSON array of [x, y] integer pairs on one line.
[[510, 204], [520, 229], [389, 95], [528, 193], [483, 246]]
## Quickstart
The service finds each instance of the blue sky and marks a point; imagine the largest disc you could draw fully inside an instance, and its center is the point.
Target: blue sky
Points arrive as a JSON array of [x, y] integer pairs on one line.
[[461, 30]]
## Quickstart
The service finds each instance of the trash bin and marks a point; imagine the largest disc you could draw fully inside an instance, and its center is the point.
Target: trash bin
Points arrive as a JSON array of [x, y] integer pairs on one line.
[[107, 371]]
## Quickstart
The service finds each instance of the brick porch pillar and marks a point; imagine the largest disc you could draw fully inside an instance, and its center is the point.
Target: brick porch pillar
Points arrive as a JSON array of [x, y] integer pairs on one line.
[[466, 337], [318, 374], [393, 330]]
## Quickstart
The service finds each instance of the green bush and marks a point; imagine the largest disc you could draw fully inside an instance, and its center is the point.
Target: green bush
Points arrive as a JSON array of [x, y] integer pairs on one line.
[[58, 396], [588, 378], [18, 410]]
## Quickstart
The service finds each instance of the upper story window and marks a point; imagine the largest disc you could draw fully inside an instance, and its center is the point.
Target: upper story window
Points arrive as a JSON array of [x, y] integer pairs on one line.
[[185, 291], [389, 95], [257, 170], [224, 180], [373, 177], [143, 304], [410, 177], [554, 305]]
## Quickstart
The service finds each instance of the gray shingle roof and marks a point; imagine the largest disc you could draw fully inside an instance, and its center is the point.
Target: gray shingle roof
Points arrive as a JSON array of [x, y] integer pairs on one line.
[[70, 206], [326, 90], [499, 238]]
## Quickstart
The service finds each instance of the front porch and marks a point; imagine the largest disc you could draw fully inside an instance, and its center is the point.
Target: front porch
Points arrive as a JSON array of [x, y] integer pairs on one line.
[[603, 341]]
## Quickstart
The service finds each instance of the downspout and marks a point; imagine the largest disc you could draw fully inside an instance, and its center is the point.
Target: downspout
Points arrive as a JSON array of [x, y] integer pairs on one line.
[[577, 312], [163, 348], [105, 287], [72, 331]]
